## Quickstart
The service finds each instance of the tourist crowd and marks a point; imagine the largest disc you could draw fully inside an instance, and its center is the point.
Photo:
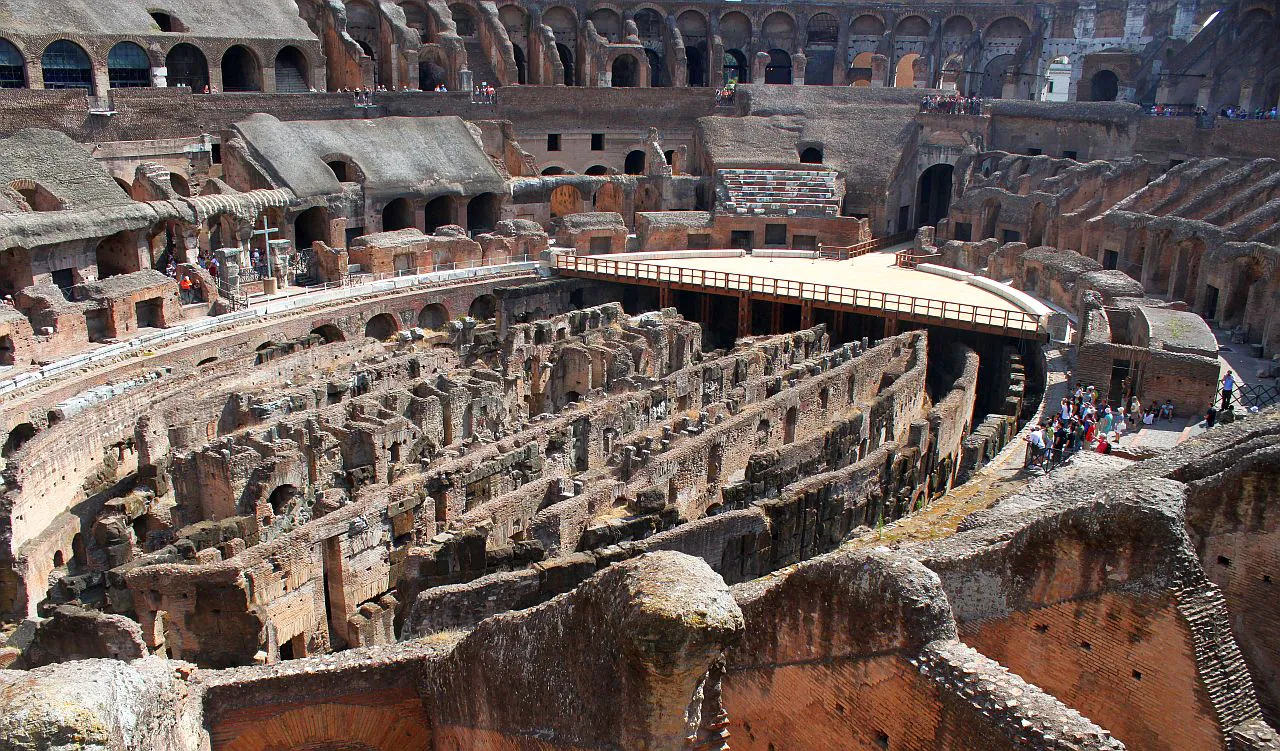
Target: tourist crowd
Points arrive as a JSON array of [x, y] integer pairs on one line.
[[1083, 423], [952, 104], [484, 94]]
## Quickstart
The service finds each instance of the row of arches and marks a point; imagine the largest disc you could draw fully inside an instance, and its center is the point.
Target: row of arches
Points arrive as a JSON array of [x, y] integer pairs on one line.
[[432, 316], [482, 213], [66, 65]]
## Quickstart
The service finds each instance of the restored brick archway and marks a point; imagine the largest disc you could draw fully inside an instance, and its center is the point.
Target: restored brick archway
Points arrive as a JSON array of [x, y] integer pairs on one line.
[[328, 727]]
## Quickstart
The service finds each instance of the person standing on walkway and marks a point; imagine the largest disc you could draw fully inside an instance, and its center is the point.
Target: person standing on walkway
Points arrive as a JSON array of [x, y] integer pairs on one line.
[[1228, 386]]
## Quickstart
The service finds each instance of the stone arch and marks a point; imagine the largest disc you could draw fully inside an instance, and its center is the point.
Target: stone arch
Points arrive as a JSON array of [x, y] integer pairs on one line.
[[188, 67], [464, 19], [736, 30], [992, 85], [117, 254], [292, 71], [811, 155], [1007, 27], [933, 194], [433, 316], [1186, 271], [779, 29], [648, 25], [397, 214], [65, 65], [329, 333], [482, 212], [167, 22], [990, 216], [566, 61], [596, 170], [522, 63], [37, 197], [241, 70], [822, 29], [860, 70], [778, 71], [349, 727], [625, 71], [128, 67], [905, 74], [17, 437], [635, 162], [609, 198], [655, 67], [867, 25], [1039, 220], [608, 24], [382, 327], [565, 200], [13, 66], [957, 28], [417, 18], [912, 26], [1104, 86], [555, 169], [822, 33], [311, 226], [953, 76], [693, 28], [483, 307], [1244, 273], [735, 67], [437, 213]]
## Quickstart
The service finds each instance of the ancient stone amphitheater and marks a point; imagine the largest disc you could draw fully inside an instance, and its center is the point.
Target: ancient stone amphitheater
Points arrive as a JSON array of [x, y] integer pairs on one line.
[[394, 375]]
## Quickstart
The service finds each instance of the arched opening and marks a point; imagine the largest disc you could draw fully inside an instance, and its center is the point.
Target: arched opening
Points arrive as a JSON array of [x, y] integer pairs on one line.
[[339, 169], [993, 77], [1245, 273], [13, 68], [58, 559], [522, 64], [397, 215], [483, 307], [117, 254], [867, 25], [15, 270], [811, 155], [1039, 219], [565, 200], [735, 67], [482, 212], [311, 226], [430, 75], [597, 169], [167, 22], [281, 499], [553, 171], [433, 316], [822, 32], [860, 70], [179, 184], [905, 74], [291, 71], [696, 61], [608, 24], [329, 333], [912, 26], [655, 68], [437, 213], [128, 67], [1104, 86], [934, 194], [187, 67], [779, 68], [463, 19], [566, 60], [625, 72], [990, 216], [66, 66], [240, 70], [17, 437], [789, 425], [381, 327], [634, 163], [608, 198], [37, 196]]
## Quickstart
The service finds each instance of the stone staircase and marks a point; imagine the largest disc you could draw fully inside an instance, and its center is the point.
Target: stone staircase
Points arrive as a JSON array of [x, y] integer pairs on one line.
[[778, 192], [478, 63], [289, 80]]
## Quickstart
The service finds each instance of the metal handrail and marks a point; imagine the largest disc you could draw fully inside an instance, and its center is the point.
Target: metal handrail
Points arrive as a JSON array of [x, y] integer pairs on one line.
[[845, 252], [891, 302]]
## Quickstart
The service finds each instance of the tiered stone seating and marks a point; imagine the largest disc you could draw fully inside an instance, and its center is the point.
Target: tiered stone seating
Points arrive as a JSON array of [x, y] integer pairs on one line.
[[778, 192]]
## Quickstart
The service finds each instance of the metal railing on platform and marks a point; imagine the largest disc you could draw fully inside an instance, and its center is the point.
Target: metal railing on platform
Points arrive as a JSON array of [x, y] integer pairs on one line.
[[845, 252], [832, 294]]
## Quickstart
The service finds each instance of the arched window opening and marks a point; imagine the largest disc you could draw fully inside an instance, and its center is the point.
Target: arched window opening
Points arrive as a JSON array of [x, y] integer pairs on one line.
[[282, 498], [437, 213], [382, 327], [553, 171], [187, 67], [522, 65], [778, 70], [624, 70], [240, 70], [66, 66], [339, 169], [13, 69], [597, 169], [993, 77], [566, 60], [128, 67], [655, 68], [789, 420], [905, 74], [483, 307], [329, 333], [1104, 86], [735, 67], [167, 22], [17, 437], [867, 25], [179, 185], [311, 226], [934, 194], [291, 71], [482, 212], [37, 196], [648, 25], [634, 163], [433, 316], [608, 24], [824, 29], [463, 20], [811, 155], [397, 215], [696, 60]]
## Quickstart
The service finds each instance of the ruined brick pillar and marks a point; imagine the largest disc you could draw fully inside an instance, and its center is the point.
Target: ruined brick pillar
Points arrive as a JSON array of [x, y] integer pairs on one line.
[[744, 314]]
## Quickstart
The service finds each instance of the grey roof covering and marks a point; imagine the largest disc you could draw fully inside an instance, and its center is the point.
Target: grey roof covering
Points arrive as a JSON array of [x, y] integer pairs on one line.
[[229, 19], [676, 219], [94, 205], [862, 131], [427, 156], [1180, 331], [1097, 112], [590, 220]]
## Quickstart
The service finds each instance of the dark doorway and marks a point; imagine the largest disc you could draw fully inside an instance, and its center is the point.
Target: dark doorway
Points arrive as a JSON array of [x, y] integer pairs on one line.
[[696, 61], [482, 212], [735, 67], [240, 70], [187, 67], [397, 215], [311, 226], [742, 239], [655, 68], [811, 155], [934, 197], [438, 213], [149, 313], [1104, 87], [779, 68], [634, 164], [1210, 301], [624, 71], [291, 71], [522, 67], [1110, 260], [566, 59]]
